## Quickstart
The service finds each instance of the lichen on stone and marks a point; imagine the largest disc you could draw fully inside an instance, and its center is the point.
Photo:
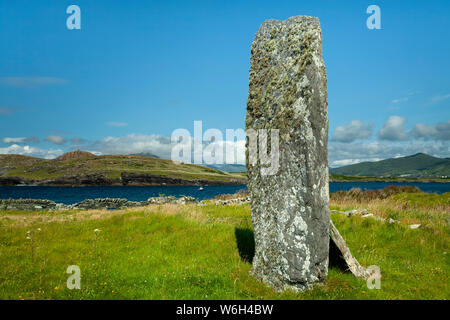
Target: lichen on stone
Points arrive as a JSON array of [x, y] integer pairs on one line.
[[290, 215]]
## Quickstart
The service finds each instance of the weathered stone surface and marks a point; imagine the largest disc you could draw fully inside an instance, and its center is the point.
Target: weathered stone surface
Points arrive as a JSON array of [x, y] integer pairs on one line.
[[290, 213]]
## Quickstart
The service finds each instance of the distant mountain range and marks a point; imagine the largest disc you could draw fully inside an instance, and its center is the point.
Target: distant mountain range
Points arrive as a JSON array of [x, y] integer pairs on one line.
[[419, 165]]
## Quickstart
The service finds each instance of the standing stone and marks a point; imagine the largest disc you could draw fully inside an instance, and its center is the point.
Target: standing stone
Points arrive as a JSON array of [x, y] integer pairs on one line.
[[290, 212]]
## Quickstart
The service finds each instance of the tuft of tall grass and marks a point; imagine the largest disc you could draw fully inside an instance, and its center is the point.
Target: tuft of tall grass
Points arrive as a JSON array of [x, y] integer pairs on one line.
[[360, 195]]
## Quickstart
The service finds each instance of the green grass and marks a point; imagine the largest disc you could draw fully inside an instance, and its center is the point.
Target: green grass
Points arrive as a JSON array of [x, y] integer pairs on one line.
[[190, 252], [423, 200]]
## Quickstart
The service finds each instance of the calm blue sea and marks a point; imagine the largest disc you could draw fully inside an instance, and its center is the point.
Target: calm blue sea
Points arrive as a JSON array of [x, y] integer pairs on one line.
[[71, 195]]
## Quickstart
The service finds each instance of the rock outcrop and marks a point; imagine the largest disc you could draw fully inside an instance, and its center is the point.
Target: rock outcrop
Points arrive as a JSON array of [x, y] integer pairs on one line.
[[289, 208], [171, 199], [234, 201], [90, 204], [28, 204], [77, 154], [106, 203]]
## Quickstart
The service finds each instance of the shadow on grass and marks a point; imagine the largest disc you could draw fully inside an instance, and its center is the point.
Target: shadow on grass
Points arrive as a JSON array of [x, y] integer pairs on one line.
[[246, 243], [336, 259]]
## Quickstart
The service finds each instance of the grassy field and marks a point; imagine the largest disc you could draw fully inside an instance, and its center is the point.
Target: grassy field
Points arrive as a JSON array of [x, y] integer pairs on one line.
[[205, 252]]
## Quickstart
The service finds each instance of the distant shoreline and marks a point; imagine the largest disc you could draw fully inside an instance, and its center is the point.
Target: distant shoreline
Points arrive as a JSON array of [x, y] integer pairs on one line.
[[339, 178], [213, 183], [71, 195], [158, 182], [17, 182]]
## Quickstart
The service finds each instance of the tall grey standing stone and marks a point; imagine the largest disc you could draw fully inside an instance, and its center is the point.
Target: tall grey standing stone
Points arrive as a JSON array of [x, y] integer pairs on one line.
[[290, 213]]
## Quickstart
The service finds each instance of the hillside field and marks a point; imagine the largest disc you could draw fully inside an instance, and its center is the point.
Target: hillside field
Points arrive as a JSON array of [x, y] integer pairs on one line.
[[419, 165], [78, 166]]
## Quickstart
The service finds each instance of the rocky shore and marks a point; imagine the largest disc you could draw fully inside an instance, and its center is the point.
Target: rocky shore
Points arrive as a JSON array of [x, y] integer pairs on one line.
[[107, 203]]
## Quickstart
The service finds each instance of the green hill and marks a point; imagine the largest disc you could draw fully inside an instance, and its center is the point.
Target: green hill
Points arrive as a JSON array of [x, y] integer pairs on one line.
[[84, 168], [419, 165], [232, 168]]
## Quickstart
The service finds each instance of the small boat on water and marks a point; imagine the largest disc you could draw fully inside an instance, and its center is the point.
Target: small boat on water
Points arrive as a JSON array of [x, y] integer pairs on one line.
[[200, 189]]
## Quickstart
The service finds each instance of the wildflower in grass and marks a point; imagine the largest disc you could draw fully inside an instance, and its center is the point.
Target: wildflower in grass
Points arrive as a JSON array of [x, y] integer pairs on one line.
[[96, 231], [31, 245], [30, 237]]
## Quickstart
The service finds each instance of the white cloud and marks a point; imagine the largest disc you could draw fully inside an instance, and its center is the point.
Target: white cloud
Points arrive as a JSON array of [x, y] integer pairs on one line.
[[393, 129], [31, 151], [339, 153], [162, 146], [117, 124], [30, 82], [233, 151], [20, 140], [394, 142], [399, 100], [437, 99], [440, 131], [55, 139], [356, 129], [134, 143], [346, 162]]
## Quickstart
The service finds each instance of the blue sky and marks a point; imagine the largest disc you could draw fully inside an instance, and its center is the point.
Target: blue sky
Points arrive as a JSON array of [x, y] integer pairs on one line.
[[137, 70]]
